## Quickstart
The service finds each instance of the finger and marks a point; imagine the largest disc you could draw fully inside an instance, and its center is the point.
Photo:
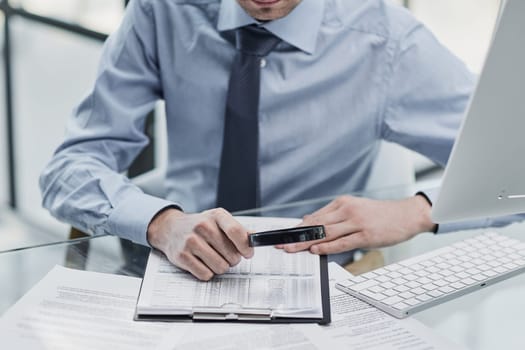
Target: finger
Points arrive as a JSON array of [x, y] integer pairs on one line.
[[212, 259], [297, 247], [332, 232], [237, 234], [193, 265], [213, 235], [343, 244], [331, 217], [340, 229]]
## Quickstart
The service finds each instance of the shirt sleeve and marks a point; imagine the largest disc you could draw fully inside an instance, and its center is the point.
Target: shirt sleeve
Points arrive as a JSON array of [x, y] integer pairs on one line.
[[427, 94], [83, 184]]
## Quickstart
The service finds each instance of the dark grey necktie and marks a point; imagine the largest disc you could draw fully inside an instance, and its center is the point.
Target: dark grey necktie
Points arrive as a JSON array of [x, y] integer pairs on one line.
[[239, 172]]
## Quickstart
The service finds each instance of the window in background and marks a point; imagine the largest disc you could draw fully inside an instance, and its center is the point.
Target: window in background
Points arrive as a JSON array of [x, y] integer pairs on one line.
[[98, 15], [465, 26], [3, 127], [52, 71]]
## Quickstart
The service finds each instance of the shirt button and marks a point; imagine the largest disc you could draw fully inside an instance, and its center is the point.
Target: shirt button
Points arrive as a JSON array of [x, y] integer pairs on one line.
[[263, 63]]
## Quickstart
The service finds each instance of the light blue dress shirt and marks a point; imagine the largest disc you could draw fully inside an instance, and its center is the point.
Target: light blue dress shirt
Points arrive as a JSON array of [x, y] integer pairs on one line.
[[348, 74]]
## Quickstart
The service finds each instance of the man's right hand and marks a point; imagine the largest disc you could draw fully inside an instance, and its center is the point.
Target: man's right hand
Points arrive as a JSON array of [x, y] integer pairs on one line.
[[204, 244]]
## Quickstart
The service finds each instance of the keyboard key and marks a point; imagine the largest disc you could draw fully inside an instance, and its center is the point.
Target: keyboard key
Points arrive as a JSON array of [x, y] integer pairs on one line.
[[484, 267], [435, 293], [399, 281], [412, 301], [395, 274], [392, 300], [387, 285], [469, 281], [458, 285], [401, 288], [372, 295], [451, 279], [369, 275], [510, 266], [407, 295], [364, 285], [424, 280], [490, 273], [467, 265], [429, 286], [500, 269], [376, 289], [420, 273], [473, 271], [424, 297], [418, 291], [346, 283], [358, 279], [411, 277], [446, 273], [462, 275], [441, 283], [479, 277], [412, 284], [456, 268], [389, 292], [446, 289], [405, 271], [435, 276], [382, 279], [400, 306], [432, 269]]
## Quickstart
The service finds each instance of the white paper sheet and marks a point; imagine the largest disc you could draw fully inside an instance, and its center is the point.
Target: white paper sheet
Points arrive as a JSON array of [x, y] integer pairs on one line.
[[71, 309], [357, 325]]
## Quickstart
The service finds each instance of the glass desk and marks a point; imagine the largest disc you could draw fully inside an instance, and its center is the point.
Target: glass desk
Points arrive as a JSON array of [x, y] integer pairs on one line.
[[487, 319]]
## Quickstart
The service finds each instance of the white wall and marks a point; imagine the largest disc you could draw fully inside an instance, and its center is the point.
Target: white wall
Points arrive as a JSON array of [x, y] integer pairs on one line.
[[464, 26]]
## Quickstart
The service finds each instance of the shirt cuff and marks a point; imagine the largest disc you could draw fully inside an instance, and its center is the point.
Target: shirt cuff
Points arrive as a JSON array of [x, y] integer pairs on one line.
[[130, 220]]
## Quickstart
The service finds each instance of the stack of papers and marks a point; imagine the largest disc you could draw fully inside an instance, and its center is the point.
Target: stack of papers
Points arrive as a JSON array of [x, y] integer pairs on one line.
[[71, 309]]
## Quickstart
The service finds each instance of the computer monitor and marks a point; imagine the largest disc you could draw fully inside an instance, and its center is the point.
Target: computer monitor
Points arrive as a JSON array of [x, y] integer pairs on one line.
[[485, 175]]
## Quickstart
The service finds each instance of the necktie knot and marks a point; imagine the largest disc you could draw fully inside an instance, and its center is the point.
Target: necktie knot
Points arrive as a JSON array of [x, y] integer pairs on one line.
[[256, 41]]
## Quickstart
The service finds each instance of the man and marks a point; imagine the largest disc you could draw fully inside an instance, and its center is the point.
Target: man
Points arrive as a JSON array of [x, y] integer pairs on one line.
[[333, 78]]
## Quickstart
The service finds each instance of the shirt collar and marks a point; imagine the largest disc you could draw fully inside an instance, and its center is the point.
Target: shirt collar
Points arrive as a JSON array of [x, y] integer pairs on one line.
[[299, 28]]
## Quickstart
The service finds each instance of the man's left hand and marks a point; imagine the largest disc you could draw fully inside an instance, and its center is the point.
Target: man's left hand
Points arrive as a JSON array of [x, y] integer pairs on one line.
[[353, 222]]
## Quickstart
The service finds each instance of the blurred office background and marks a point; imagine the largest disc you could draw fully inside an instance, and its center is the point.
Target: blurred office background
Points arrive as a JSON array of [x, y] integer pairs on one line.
[[53, 50]]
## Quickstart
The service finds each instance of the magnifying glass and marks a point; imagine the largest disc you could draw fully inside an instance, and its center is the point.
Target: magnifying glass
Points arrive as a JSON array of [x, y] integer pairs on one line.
[[287, 235]]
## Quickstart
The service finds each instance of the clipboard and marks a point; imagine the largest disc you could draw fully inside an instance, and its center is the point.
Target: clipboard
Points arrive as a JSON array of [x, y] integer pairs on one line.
[[171, 295]]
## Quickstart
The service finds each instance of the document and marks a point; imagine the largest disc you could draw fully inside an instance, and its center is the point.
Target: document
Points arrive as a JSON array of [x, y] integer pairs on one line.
[[358, 325], [72, 309], [273, 286], [355, 325]]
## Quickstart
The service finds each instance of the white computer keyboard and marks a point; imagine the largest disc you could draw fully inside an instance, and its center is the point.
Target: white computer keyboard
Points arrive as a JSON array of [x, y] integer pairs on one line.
[[412, 285]]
